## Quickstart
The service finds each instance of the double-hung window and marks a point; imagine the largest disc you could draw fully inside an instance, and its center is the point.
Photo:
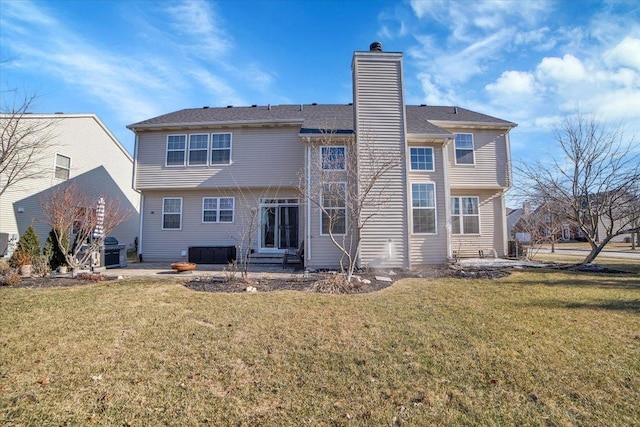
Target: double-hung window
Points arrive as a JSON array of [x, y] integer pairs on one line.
[[464, 149], [217, 209], [172, 213], [333, 158], [422, 159], [220, 148], [63, 167], [176, 145], [334, 208], [198, 147], [423, 207], [465, 215]]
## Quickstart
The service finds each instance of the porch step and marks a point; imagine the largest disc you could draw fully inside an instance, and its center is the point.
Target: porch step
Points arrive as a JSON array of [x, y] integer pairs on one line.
[[257, 258]]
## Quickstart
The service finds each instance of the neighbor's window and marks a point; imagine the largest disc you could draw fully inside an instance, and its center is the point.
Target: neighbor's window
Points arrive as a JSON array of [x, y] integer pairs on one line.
[[464, 149], [423, 207], [334, 208], [220, 148], [63, 167], [198, 147], [176, 145], [172, 213], [217, 209], [422, 159], [333, 158], [465, 215]]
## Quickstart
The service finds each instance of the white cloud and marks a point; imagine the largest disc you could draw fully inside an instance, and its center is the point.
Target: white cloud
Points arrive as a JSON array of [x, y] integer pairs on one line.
[[626, 54], [513, 82], [565, 69]]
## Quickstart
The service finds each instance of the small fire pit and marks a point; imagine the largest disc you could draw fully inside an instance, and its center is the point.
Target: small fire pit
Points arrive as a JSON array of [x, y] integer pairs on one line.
[[183, 266]]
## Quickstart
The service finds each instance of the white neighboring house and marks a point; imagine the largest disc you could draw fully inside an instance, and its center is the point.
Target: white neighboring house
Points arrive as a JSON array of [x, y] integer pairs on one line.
[[80, 149]]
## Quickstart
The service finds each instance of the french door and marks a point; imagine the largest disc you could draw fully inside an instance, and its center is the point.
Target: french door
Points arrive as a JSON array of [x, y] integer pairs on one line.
[[279, 222]]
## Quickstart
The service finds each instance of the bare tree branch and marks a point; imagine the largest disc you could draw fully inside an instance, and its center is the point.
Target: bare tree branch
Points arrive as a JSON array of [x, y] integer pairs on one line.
[[594, 183]]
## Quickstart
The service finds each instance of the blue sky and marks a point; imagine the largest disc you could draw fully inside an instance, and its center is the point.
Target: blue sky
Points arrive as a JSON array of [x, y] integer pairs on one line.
[[531, 62]]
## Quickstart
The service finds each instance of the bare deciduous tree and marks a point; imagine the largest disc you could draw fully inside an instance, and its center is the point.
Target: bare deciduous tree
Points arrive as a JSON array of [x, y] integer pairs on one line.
[[22, 141], [346, 198], [72, 214], [594, 183]]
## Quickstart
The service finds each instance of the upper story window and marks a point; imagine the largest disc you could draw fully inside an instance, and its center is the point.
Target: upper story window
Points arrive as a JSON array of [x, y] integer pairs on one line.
[[176, 145], [333, 158], [198, 147], [220, 148], [423, 207], [465, 215], [464, 149], [422, 159], [172, 213], [63, 167], [334, 208], [217, 209]]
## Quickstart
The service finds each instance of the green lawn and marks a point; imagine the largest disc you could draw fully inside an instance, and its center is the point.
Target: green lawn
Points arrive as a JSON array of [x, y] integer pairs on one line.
[[534, 348]]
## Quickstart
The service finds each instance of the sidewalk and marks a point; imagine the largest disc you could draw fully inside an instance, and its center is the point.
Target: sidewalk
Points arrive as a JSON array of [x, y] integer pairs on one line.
[[163, 270], [584, 252]]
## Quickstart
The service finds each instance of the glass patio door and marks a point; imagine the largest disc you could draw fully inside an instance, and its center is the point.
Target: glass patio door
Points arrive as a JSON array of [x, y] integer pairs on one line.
[[278, 224]]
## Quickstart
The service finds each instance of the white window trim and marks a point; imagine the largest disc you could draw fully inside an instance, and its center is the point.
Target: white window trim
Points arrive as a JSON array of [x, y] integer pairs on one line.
[[217, 221], [185, 150], [188, 149], [323, 147], [211, 149], [462, 233], [435, 208], [346, 217], [172, 213], [56, 166], [473, 150], [433, 159]]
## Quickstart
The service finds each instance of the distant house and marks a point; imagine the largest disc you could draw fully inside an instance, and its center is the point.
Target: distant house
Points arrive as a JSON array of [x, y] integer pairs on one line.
[[195, 167], [82, 150]]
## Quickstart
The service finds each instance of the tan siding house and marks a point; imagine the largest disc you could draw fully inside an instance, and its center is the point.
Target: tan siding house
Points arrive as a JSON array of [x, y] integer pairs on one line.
[[207, 174], [81, 150]]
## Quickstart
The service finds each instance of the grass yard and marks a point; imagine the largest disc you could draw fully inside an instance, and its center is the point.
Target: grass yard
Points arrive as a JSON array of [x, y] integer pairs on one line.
[[534, 348]]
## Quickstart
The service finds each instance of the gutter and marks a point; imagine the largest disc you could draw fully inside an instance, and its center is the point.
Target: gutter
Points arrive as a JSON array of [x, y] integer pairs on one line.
[[280, 122]]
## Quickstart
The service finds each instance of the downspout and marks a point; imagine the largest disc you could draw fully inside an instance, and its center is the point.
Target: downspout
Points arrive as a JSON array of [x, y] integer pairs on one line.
[[133, 185], [447, 195], [141, 224], [505, 230], [307, 250]]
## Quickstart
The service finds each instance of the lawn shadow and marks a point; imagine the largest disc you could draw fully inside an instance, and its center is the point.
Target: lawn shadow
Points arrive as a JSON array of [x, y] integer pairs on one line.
[[602, 280], [632, 306]]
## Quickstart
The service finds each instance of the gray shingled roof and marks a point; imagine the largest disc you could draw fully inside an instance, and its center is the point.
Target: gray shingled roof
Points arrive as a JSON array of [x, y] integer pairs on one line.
[[313, 117]]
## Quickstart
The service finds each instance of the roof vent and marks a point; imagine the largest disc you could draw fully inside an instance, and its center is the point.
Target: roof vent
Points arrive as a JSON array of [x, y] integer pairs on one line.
[[254, 105], [301, 107], [229, 106], [455, 110], [314, 103], [375, 47], [423, 105], [205, 107], [58, 112]]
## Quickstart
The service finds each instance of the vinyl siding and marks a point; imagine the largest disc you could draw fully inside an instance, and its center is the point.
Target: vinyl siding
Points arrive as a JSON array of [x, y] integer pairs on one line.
[[167, 245], [429, 249], [379, 118], [491, 161], [492, 220], [263, 157], [99, 165]]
